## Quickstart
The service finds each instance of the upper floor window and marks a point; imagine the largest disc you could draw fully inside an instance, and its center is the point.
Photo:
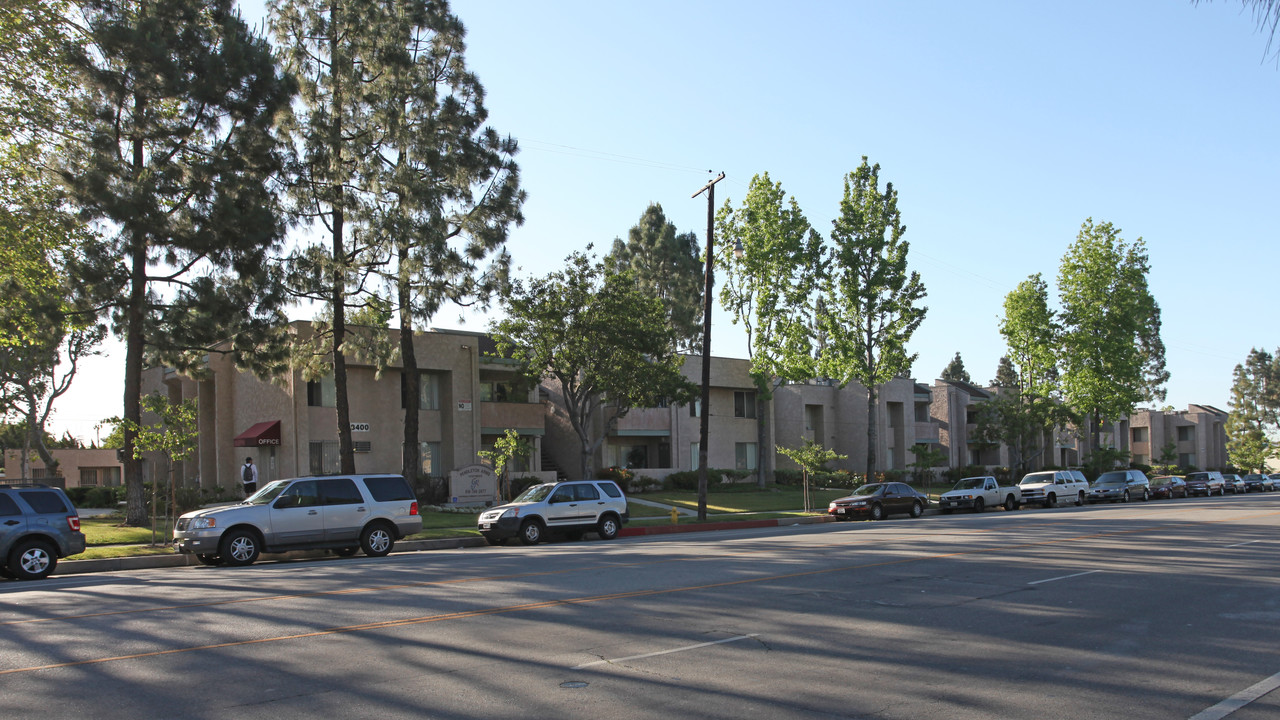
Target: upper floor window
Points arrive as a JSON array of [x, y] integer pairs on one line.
[[428, 391], [1186, 433], [744, 403], [322, 392], [1139, 434]]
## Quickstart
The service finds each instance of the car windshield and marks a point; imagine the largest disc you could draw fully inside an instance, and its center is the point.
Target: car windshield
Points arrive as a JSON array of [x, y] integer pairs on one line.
[[872, 489], [1161, 481], [537, 493], [1035, 478], [1197, 477], [973, 483], [267, 494], [1111, 478]]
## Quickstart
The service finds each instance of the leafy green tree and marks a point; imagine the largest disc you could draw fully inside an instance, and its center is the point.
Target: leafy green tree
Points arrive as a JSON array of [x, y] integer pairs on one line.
[[871, 302], [1254, 410], [1112, 356], [811, 457], [772, 259], [506, 448], [334, 48], [926, 458], [444, 187], [955, 371], [38, 93], [175, 436], [1006, 375], [178, 172], [668, 266], [603, 341]]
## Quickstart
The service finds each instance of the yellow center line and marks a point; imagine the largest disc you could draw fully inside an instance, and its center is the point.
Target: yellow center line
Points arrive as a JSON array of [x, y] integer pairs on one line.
[[464, 614]]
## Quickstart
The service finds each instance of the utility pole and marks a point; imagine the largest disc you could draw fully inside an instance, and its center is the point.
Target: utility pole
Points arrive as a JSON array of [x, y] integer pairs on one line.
[[704, 415]]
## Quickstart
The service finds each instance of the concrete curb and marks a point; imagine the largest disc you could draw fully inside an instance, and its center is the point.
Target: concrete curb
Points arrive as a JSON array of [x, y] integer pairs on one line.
[[725, 525]]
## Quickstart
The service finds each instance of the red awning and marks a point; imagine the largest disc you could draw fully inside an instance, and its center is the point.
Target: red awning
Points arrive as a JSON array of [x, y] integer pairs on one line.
[[264, 433]]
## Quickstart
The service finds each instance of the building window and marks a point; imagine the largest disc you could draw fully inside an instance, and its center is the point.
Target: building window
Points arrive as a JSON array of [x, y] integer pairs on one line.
[[428, 391], [744, 403], [695, 408], [664, 455], [631, 456], [1187, 459], [322, 392], [430, 458], [693, 456], [922, 412], [744, 456], [1139, 434], [1186, 433], [324, 457], [88, 477]]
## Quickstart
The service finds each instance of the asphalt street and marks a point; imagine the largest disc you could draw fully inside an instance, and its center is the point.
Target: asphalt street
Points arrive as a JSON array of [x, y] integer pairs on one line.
[[1165, 609]]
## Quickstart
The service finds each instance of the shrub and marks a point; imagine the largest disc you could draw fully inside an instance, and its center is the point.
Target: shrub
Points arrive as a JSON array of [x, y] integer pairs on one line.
[[688, 479], [787, 476]]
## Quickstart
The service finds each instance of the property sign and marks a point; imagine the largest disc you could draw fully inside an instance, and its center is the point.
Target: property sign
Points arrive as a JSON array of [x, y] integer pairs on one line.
[[473, 484]]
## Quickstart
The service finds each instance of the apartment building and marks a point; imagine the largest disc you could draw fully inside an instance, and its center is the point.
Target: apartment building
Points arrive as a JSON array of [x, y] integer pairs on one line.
[[288, 425], [663, 440], [1195, 437]]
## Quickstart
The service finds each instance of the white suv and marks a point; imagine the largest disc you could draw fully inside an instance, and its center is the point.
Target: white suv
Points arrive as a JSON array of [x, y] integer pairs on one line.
[[1049, 487], [571, 508], [342, 513]]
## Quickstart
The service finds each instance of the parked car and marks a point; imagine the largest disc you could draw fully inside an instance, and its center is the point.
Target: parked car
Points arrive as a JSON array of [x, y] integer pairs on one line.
[[571, 508], [1205, 483], [878, 501], [1258, 482], [1120, 486], [980, 492], [1049, 487], [1232, 483], [344, 513], [38, 525], [1168, 486]]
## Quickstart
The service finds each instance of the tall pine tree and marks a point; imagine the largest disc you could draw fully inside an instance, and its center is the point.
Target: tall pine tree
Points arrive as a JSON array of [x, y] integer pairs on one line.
[[667, 265], [178, 172]]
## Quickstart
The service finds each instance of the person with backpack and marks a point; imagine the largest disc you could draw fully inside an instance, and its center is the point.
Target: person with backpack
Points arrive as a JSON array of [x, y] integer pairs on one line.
[[249, 476]]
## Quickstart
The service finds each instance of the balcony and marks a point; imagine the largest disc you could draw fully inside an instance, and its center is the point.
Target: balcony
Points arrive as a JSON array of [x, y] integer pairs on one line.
[[645, 422], [498, 416]]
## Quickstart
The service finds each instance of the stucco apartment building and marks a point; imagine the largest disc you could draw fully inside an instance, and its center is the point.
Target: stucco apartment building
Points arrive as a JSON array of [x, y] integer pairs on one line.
[[1197, 434], [288, 425], [88, 467], [657, 442]]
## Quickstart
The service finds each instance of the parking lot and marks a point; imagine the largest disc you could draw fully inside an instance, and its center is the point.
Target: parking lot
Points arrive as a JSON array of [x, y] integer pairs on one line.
[[1144, 610]]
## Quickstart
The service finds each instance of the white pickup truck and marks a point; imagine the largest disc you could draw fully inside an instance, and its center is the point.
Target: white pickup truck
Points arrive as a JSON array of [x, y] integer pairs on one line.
[[979, 493]]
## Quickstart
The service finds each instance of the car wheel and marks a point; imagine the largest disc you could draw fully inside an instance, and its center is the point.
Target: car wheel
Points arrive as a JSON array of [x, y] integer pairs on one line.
[[376, 540], [979, 505], [346, 551], [1080, 498], [607, 528], [32, 560], [916, 509], [1010, 504], [239, 547], [209, 559], [877, 512], [530, 532], [1051, 500], [1145, 495], [1126, 496]]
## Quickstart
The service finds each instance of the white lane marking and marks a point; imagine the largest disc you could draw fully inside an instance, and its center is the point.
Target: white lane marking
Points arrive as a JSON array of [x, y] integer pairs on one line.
[[1245, 543], [1239, 700], [1063, 577], [666, 652]]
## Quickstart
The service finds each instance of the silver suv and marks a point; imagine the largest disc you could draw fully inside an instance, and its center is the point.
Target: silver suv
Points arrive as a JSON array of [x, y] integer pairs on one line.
[[38, 525], [342, 513], [571, 508]]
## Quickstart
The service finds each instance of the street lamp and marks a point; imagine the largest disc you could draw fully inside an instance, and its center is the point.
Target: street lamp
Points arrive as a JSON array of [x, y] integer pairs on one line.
[[704, 413]]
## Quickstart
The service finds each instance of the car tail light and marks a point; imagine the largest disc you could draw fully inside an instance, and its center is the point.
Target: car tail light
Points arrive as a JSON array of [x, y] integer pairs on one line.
[[413, 508], [73, 522]]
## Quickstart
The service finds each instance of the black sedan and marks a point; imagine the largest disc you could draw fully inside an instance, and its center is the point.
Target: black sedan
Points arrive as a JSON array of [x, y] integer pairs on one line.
[[879, 500], [1168, 486]]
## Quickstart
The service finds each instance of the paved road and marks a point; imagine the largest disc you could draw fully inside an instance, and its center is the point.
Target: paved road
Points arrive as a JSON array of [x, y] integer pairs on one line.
[[1155, 610]]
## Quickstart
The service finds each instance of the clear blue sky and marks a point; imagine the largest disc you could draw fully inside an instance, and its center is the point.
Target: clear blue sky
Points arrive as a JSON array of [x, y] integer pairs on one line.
[[1003, 125]]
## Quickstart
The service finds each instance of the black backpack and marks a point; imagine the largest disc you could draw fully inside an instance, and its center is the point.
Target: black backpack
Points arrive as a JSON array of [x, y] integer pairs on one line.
[[248, 473]]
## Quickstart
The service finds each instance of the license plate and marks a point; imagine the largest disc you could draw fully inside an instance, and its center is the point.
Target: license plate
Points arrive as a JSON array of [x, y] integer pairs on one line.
[[484, 526]]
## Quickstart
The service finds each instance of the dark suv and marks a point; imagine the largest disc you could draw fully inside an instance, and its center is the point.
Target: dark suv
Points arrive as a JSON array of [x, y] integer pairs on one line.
[[38, 525]]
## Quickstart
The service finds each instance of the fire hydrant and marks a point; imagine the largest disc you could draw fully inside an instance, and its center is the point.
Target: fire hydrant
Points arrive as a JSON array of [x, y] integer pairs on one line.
[[674, 515]]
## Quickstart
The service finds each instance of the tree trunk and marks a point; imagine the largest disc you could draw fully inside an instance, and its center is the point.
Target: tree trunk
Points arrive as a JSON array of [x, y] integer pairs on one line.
[[346, 451], [871, 433], [411, 461], [135, 502], [762, 434]]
